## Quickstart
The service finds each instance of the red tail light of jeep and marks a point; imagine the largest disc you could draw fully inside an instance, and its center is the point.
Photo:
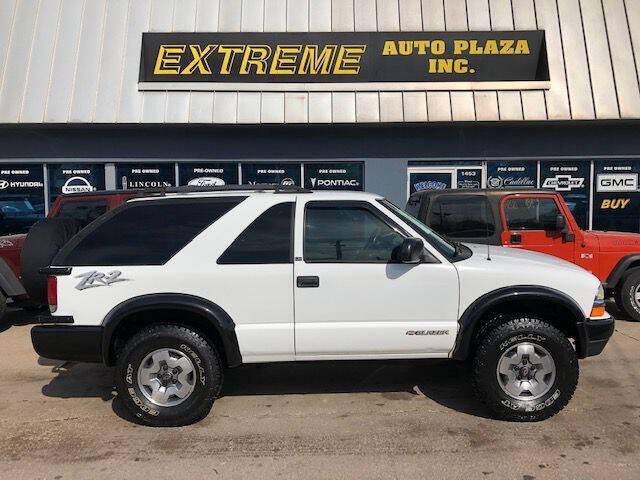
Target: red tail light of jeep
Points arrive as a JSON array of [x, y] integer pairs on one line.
[[52, 293]]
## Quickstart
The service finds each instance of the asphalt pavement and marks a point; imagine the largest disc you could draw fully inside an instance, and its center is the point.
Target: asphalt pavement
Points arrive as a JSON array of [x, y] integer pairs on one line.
[[333, 420]]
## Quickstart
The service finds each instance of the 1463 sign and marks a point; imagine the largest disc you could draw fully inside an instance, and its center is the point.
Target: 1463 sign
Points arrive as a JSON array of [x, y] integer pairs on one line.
[[338, 61]]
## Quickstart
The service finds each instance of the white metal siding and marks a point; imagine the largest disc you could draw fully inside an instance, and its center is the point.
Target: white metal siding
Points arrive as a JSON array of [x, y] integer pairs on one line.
[[64, 61]]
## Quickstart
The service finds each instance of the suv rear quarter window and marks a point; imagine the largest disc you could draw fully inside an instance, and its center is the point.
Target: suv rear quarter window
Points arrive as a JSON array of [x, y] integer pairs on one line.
[[144, 232], [267, 240]]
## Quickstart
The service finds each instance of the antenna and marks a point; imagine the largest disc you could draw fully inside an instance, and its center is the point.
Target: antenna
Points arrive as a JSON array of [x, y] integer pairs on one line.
[[486, 226]]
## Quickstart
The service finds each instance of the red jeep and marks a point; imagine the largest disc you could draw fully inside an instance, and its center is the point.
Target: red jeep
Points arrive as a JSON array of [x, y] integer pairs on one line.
[[80, 208], [538, 220]]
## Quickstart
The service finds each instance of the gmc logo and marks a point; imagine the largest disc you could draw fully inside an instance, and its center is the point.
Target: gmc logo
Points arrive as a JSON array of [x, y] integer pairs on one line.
[[617, 182]]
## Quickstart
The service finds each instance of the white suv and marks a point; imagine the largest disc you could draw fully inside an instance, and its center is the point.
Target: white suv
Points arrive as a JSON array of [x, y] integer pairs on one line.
[[175, 286]]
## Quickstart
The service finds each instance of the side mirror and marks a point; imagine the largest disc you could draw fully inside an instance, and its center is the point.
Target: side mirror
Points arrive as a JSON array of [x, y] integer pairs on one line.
[[411, 250], [561, 223]]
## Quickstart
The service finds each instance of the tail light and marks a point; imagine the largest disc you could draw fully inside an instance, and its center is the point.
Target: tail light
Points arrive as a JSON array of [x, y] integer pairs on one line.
[[52, 293]]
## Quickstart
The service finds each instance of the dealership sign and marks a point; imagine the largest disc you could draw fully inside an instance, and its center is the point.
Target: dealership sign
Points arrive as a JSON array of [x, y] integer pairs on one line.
[[159, 175], [75, 178], [346, 61], [208, 174], [617, 182], [334, 176]]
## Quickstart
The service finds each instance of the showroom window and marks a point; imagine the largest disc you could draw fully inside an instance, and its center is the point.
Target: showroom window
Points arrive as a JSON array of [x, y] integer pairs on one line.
[[267, 240], [144, 233], [462, 217], [531, 213], [347, 233]]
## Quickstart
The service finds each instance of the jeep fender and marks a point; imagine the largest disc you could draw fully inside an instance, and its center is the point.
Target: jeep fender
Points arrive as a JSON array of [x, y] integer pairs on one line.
[[213, 317], [619, 270], [9, 283], [474, 314]]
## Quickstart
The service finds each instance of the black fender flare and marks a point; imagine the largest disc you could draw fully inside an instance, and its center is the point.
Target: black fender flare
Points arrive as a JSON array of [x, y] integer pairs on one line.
[[621, 267], [214, 316], [473, 314], [9, 283]]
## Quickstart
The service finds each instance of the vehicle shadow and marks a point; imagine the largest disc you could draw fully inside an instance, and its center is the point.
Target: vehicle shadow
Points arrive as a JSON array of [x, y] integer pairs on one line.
[[15, 317], [442, 381]]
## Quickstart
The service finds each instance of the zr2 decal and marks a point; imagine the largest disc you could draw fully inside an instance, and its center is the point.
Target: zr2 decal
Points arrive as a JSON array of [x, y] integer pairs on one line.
[[98, 279]]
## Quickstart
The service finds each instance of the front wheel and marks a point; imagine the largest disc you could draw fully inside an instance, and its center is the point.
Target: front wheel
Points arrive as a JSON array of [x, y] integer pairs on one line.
[[525, 369], [168, 376], [628, 295]]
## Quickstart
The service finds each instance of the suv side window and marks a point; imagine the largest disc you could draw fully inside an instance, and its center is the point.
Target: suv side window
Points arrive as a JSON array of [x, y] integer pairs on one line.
[[530, 213], [267, 240], [462, 216], [144, 232], [84, 212], [348, 232]]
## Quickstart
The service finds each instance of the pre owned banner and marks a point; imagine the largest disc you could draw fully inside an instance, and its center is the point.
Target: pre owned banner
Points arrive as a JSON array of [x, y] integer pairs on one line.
[[522, 174], [272, 173], [334, 176], [572, 180], [208, 174], [74, 178], [21, 198], [616, 199], [145, 175], [336, 61]]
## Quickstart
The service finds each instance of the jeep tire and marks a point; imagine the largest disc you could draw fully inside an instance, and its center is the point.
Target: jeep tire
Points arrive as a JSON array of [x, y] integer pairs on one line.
[[43, 242], [525, 369], [168, 376], [628, 294]]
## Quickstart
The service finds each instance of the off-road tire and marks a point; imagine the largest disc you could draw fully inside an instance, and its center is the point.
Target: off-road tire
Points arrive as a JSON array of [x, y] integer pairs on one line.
[[208, 375], [43, 242], [625, 294], [517, 329]]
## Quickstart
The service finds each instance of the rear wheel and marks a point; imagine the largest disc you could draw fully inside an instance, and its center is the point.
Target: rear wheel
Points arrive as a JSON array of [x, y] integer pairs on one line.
[[168, 376], [525, 369], [628, 294]]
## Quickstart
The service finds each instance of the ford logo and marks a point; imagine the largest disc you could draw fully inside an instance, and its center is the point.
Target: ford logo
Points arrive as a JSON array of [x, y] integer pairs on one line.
[[206, 182]]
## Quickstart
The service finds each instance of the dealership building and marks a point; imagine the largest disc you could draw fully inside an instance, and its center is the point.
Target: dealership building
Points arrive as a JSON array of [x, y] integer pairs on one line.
[[388, 96]]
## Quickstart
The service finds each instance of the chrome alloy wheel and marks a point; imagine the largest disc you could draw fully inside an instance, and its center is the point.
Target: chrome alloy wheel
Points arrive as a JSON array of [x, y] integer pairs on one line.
[[636, 296], [166, 377], [526, 371]]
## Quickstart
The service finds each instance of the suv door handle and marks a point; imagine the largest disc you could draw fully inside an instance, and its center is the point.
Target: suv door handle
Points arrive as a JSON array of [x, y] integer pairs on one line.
[[516, 238], [308, 282]]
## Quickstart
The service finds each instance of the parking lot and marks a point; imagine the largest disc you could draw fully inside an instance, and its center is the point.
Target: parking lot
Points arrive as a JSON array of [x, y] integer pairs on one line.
[[392, 419]]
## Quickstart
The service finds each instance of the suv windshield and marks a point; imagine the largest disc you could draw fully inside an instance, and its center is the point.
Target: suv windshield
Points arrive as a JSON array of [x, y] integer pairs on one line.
[[443, 246]]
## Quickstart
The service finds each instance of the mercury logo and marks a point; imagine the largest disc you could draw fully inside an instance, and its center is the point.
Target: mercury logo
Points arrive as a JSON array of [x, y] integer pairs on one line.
[[77, 185], [287, 182]]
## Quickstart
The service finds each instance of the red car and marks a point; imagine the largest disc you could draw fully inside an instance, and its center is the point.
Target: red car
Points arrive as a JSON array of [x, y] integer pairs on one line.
[[538, 220], [82, 208]]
